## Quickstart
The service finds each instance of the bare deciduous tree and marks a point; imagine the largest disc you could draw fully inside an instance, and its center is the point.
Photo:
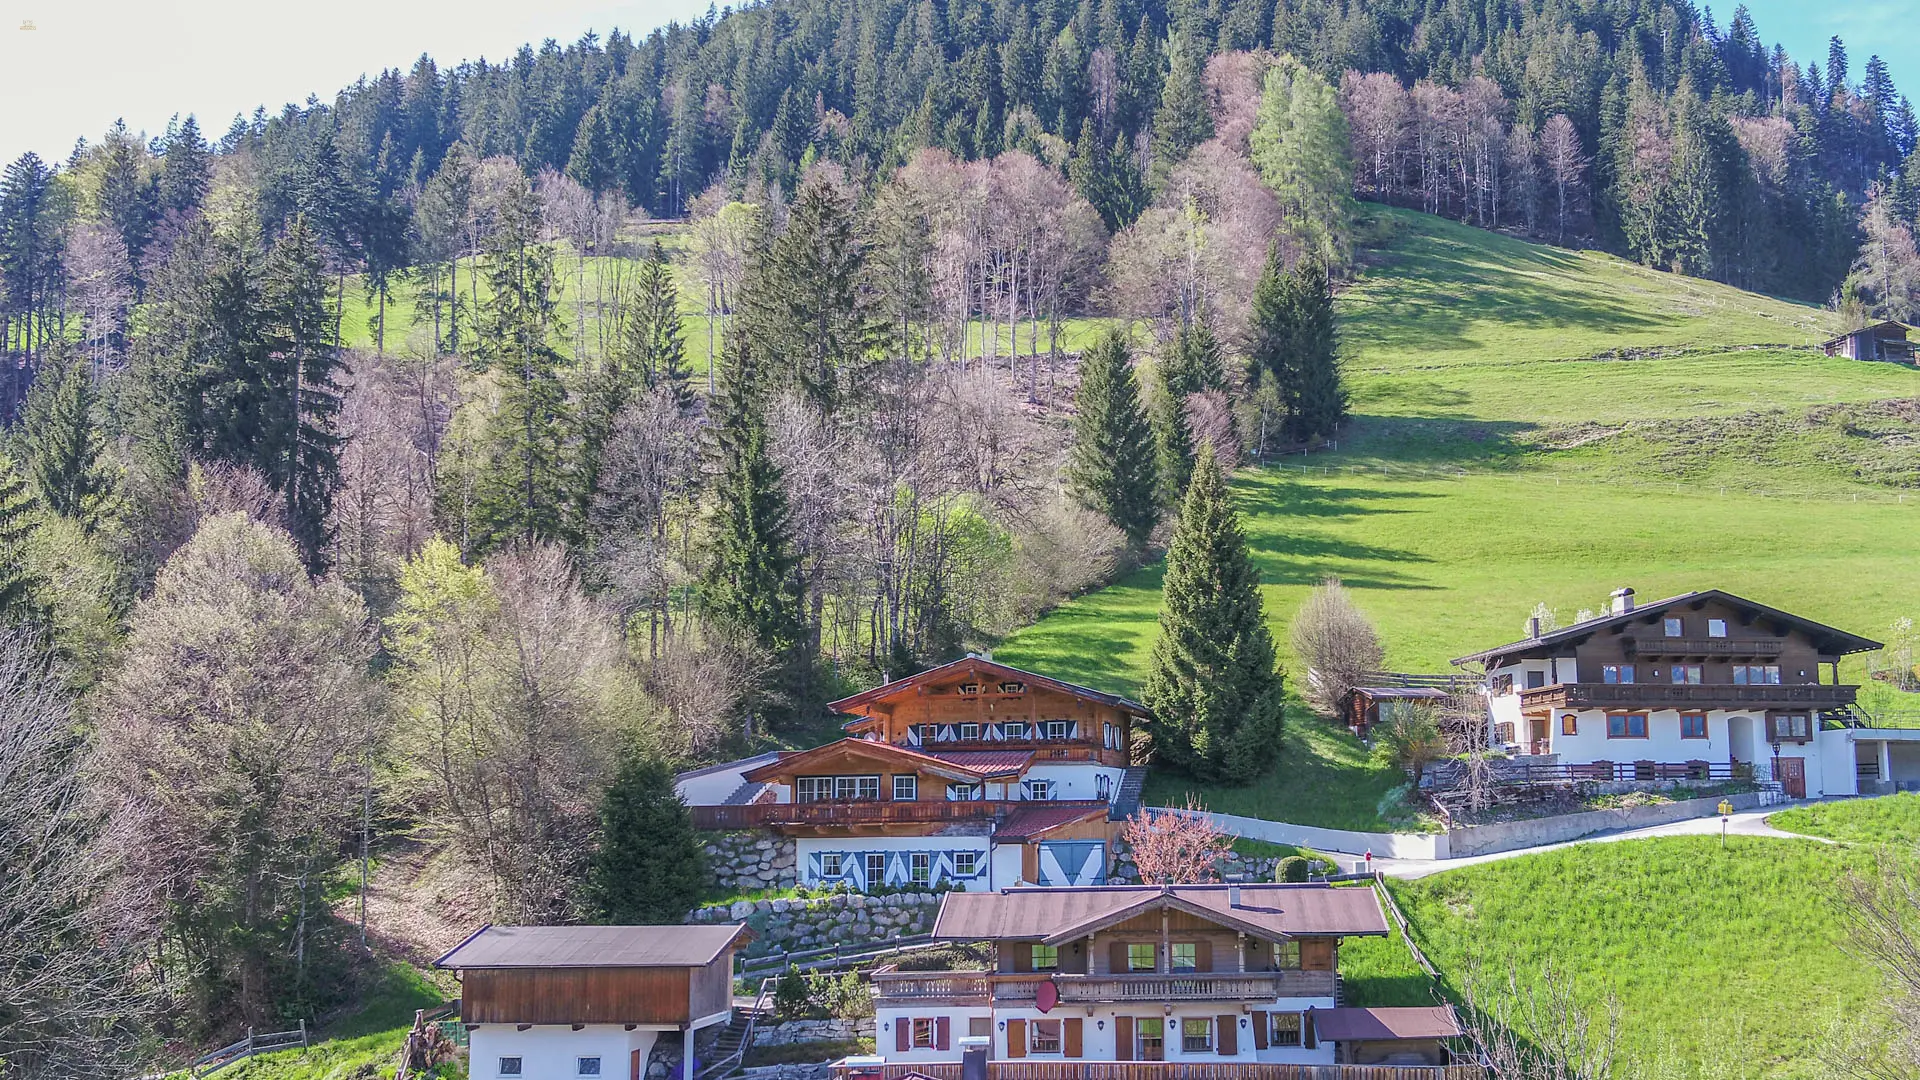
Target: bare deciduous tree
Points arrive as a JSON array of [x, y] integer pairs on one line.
[[1338, 644], [1566, 168], [1538, 1028], [1176, 847], [1882, 910]]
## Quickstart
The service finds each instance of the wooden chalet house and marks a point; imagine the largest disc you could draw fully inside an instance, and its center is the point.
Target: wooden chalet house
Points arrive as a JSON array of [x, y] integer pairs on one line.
[[971, 775], [1088, 983], [561, 1002], [1701, 686]]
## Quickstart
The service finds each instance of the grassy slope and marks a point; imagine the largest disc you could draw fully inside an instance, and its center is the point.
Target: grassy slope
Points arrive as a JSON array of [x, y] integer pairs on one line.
[[1891, 819], [364, 1044], [1726, 963], [1539, 425]]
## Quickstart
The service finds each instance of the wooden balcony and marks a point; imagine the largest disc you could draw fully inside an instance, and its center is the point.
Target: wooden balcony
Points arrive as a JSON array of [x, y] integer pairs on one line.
[[1650, 645], [872, 812], [1166, 1070], [1043, 749], [1646, 697], [1185, 986], [942, 987]]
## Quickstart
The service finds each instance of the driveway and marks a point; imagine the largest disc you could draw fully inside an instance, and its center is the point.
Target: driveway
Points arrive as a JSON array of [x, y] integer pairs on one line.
[[1744, 823]]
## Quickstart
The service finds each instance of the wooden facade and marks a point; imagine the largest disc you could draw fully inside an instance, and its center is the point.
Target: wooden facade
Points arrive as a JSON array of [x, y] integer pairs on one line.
[[1163, 1070], [596, 995]]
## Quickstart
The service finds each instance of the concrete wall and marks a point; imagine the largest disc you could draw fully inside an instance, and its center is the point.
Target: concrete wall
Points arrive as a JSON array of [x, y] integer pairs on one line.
[[1382, 845], [1512, 835], [553, 1052]]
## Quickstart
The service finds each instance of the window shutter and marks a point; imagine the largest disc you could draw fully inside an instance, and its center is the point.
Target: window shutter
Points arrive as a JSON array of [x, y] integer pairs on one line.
[[1229, 1040], [1316, 954], [1022, 957], [1123, 1038], [1070, 1037], [1203, 956], [1016, 1038], [1117, 959], [942, 1032], [1259, 1031], [902, 1034], [1309, 1038]]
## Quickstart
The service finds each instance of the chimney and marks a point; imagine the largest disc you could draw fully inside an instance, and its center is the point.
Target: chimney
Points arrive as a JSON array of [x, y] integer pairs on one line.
[[1533, 627], [1233, 896], [1622, 601]]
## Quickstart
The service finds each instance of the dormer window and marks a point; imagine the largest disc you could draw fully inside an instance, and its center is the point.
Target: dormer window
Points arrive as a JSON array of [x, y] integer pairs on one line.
[[971, 689], [1013, 688]]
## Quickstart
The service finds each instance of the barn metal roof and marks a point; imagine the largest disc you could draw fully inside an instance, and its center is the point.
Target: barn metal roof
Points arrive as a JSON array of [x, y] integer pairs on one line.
[[594, 946], [1346, 1025], [1267, 911]]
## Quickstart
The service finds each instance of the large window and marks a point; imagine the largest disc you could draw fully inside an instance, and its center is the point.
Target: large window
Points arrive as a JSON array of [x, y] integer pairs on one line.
[[1043, 1036], [922, 867], [856, 787], [1196, 1036], [876, 870], [1140, 956], [812, 788], [1046, 958], [1693, 725], [1616, 673], [1792, 726], [1756, 674], [906, 788], [510, 1066], [1686, 674], [1185, 956], [1150, 1039], [1283, 1029], [1627, 726]]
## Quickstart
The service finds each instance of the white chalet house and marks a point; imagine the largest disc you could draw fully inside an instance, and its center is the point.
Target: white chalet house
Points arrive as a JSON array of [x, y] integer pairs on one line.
[[1704, 686]]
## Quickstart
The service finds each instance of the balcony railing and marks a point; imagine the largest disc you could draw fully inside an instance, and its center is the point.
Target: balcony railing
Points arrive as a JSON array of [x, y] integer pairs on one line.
[[1194, 986], [1164, 1070], [1526, 774], [922, 811], [1694, 646], [1697, 695], [946, 987]]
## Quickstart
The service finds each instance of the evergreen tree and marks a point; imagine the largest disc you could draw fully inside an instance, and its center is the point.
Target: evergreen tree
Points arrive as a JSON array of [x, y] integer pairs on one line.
[[648, 868], [1183, 120], [806, 308], [1107, 178], [1319, 399], [1302, 146], [522, 488], [301, 451], [20, 587], [65, 453], [1112, 463], [653, 333], [1213, 687], [1172, 439], [186, 170], [749, 583], [1196, 363]]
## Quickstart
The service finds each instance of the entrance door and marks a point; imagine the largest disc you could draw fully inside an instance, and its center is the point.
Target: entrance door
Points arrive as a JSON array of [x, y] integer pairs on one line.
[[1793, 777], [1539, 735]]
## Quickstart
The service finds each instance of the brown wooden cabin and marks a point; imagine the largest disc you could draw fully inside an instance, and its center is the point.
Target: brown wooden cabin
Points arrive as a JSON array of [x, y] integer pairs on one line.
[[1880, 341], [1365, 704], [1390, 1036], [596, 974]]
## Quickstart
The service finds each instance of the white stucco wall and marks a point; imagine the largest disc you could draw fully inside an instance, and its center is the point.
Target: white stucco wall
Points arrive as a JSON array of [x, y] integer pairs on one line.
[[553, 1051], [1078, 780], [1006, 866], [855, 846], [1663, 742], [886, 1040]]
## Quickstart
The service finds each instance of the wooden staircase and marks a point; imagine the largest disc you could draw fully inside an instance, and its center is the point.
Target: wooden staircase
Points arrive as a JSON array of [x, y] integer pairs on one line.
[[737, 1037]]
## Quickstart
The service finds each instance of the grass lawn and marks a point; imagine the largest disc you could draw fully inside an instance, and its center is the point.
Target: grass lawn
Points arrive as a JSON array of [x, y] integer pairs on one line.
[[365, 1043], [1726, 963], [1888, 819]]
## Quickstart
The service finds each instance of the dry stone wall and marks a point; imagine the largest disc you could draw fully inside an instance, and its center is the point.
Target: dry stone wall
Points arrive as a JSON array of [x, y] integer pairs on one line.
[[852, 919], [747, 862]]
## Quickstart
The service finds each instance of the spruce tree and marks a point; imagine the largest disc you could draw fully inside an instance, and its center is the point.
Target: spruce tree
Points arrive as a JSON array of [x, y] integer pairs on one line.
[[652, 329], [65, 454], [1319, 399], [1183, 120], [1172, 440], [649, 868], [749, 584], [1196, 363], [523, 485], [21, 602], [812, 322], [1213, 687], [186, 171], [301, 451], [1112, 463]]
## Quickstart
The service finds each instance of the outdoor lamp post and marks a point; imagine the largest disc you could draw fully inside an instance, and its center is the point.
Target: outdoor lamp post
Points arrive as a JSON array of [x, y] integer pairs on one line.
[[1726, 811]]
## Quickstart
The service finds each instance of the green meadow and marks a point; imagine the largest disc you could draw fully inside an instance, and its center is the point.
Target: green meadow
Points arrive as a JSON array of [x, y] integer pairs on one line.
[[1891, 819]]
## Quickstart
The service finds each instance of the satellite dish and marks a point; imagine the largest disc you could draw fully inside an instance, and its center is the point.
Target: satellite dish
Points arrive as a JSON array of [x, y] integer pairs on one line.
[[1046, 997]]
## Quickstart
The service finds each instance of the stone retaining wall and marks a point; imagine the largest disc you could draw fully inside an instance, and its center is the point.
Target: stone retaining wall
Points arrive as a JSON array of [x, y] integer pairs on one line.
[[1235, 867], [813, 1031], [746, 862], [818, 922], [815, 1071], [1513, 835]]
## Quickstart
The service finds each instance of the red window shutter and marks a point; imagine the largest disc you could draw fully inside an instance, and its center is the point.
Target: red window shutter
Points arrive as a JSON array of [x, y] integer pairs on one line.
[[1117, 958], [1070, 1037], [1259, 1031], [1229, 1041], [1203, 956], [902, 1034], [1016, 1038], [1123, 1038], [1309, 1038], [942, 1032]]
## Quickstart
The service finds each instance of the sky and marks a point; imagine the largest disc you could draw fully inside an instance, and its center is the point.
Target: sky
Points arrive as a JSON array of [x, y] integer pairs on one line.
[[88, 62]]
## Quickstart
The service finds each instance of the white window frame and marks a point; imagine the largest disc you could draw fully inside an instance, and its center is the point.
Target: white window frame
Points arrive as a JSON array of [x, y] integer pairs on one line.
[[518, 1068], [1059, 729], [1716, 628], [920, 868], [1038, 790], [908, 783], [970, 867], [857, 788], [588, 1065], [966, 792], [831, 864], [812, 789], [1103, 787], [969, 732], [874, 880]]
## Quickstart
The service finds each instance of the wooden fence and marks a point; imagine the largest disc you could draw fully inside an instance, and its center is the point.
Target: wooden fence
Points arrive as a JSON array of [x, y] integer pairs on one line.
[[213, 1062]]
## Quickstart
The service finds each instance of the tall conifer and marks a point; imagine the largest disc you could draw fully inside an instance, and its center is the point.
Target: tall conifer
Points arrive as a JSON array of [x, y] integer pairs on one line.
[[301, 452], [65, 454], [1112, 463], [20, 587], [1213, 687]]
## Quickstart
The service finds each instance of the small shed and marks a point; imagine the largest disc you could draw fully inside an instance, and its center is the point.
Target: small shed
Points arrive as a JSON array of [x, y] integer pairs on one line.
[[1404, 1036], [1364, 703], [567, 1001], [1880, 341]]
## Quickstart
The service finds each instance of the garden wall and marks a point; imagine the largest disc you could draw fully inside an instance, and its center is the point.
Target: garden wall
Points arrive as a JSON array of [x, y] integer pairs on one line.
[[1512, 835], [791, 925], [813, 1031], [748, 862]]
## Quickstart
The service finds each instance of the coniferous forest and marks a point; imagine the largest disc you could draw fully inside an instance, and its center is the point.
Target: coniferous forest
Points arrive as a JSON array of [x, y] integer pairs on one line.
[[269, 604]]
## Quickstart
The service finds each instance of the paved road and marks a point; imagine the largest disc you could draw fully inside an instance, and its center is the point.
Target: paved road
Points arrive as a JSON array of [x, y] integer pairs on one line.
[[1744, 823]]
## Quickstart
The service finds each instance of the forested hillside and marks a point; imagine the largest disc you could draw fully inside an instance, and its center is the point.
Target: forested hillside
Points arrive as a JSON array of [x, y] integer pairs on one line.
[[404, 485]]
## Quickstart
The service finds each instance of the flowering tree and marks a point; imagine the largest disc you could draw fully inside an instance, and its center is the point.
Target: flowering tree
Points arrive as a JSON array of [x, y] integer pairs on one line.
[[1176, 847]]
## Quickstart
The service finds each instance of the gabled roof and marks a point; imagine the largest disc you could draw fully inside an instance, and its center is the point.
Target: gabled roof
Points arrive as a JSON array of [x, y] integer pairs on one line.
[[594, 946], [1875, 327], [999, 672], [1555, 642], [963, 765], [737, 765], [1270, 912], [1400, 691]]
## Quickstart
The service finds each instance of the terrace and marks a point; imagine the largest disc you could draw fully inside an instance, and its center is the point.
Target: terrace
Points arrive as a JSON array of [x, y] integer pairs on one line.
[[1692, 695], [984, 988]]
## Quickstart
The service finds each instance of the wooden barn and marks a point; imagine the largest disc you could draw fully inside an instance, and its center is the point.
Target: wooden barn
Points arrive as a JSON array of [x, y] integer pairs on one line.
[[1881, 341]]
